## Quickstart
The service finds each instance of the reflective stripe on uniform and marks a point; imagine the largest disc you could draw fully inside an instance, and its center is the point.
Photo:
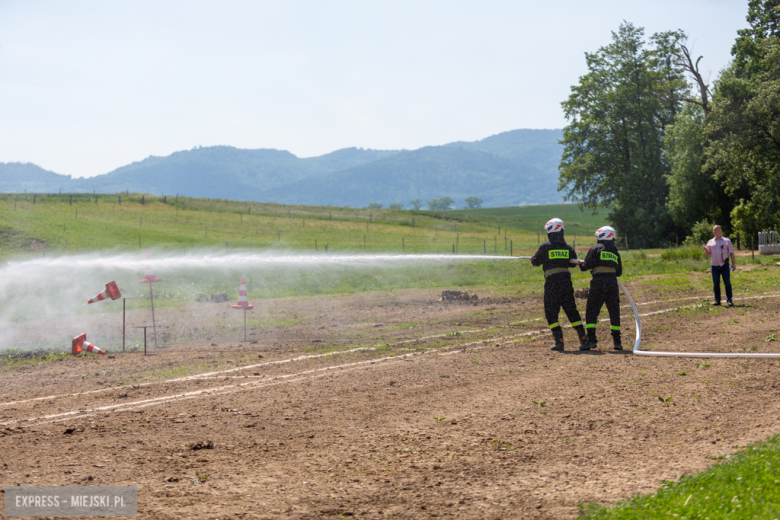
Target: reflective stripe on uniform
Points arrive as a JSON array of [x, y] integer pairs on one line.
[[556, 324], [614, 327], [590, 326], [607, 256], [576, 323]]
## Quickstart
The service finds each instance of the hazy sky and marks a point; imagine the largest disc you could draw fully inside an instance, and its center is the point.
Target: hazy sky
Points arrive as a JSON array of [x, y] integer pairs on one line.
[[86, 87]]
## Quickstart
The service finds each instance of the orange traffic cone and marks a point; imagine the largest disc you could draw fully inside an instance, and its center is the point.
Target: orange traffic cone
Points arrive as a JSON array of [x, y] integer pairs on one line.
[[242, 301], [149, 274], [112, 291], [81, 341]]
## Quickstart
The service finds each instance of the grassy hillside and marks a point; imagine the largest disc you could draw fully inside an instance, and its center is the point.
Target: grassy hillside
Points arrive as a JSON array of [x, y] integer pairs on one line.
[[530, 219], [77, 223]]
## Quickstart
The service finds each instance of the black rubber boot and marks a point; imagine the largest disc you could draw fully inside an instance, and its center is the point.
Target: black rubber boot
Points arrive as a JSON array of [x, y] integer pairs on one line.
[[591, 342], [616, 343], [558, 336], [581, 334]]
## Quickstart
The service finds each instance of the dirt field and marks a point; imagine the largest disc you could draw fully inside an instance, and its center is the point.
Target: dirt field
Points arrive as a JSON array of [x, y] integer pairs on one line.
[[396, 405]]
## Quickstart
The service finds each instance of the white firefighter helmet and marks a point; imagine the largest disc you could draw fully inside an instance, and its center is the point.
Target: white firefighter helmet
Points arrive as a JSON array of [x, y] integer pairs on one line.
[[605, 233], [554, 225]]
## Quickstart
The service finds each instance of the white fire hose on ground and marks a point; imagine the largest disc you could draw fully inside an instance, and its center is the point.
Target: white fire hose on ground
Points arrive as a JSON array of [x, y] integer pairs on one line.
[[670, 354]]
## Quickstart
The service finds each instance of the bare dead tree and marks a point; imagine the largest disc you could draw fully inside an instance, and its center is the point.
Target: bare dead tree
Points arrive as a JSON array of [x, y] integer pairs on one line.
[[686, 62]]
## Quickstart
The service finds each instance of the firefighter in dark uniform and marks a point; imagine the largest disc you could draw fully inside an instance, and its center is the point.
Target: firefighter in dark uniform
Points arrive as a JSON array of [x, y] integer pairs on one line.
[[603, 260], [555, 258]]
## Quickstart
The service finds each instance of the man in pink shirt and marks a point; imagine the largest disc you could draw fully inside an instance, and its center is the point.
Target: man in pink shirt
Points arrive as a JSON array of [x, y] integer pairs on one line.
[[719, 249]]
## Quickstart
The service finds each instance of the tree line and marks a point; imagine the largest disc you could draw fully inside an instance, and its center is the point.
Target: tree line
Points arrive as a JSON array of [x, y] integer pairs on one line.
[[668, 152], [443, 203]]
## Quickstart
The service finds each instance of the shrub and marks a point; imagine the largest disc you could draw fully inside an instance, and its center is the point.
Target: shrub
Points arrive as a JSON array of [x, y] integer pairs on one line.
[[700, 234], [683, 253]]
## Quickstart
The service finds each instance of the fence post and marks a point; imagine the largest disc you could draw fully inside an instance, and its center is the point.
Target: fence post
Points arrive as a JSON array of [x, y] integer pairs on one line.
[[752, 245], [738, 248], [511, 247], [484, 246], [403, 244]]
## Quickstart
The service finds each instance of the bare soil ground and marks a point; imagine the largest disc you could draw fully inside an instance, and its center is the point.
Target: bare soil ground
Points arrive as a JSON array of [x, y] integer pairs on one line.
[[396, 405]]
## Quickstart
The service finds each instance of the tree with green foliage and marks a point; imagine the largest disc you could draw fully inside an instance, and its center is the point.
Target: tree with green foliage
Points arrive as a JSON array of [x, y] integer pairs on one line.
[[395, 205], [744, 126], [613, 145], [473, 202], [445, 203], [441, 204], [374, 205], [416, 204], [693, 194]]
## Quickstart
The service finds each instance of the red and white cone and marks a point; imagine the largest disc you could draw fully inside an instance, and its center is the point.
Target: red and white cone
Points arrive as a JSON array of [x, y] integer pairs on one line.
[[81, 341], [112, 291], [242, 301], [89, 347], [149, 276]]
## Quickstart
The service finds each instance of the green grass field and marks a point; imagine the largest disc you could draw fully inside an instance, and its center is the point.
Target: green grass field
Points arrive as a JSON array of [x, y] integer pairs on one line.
[[81, 223], [531, 218], [746, 486]]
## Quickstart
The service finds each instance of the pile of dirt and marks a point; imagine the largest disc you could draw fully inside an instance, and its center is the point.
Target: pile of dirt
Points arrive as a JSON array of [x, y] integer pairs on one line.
[[457, 296]]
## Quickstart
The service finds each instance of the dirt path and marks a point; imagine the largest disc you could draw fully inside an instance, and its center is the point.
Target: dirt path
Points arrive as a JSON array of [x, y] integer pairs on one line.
[[397, 406]]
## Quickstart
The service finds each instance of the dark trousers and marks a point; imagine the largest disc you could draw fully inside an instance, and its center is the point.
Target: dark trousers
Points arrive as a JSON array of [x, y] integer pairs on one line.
[[603, 289], [559, 292], [717, 272]]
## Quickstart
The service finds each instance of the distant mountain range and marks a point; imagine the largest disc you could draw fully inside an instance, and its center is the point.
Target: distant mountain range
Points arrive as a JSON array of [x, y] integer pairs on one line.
[[511, 168]]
